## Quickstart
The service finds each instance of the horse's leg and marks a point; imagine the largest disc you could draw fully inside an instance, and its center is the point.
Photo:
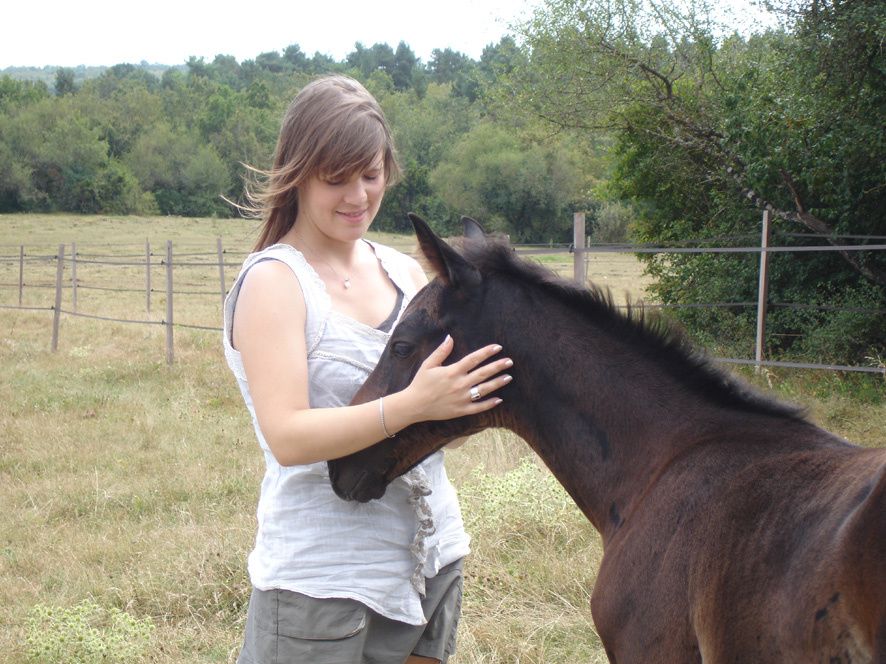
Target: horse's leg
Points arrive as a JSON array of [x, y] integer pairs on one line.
[[415, 659]]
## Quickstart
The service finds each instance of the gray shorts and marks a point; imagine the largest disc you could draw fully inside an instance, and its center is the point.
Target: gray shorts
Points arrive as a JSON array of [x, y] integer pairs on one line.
[[283, 627]]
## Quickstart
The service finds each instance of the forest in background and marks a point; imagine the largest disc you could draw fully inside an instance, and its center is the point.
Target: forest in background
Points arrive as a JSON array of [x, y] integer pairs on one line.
[[130, 141], [661, 124]]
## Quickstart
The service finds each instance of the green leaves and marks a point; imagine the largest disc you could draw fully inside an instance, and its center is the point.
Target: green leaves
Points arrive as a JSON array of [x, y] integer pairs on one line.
[[513, 185], [709, 127]]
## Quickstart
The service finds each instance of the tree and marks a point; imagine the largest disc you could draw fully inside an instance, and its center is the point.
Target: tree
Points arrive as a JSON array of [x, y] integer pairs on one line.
[[322, 63], [226, 70], [404, 67], [448, 66], [293, 55], [121, 114], [367, 60], [54, 159], [186, 176], [424, 127], [271, 61], [501, 59], [600, 59], [17, 190], [122, 75], [14, 93], [175, 141], [197, 67], [64, 81], [526, 190], [709, 130]]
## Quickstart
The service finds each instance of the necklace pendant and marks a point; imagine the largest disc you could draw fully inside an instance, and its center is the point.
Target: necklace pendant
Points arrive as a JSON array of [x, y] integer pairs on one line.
[[347, 283]]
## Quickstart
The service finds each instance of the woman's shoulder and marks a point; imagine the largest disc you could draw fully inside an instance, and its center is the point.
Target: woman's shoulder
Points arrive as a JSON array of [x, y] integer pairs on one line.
[[283, 270], [271, 260], [268, 272], [280, 252], [278, 277]]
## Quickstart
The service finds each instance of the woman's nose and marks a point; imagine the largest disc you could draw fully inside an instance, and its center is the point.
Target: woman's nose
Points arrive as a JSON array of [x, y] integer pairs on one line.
[[356, 192]]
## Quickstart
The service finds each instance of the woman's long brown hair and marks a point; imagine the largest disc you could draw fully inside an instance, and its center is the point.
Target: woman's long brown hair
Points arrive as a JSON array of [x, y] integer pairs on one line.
[[333, 129]]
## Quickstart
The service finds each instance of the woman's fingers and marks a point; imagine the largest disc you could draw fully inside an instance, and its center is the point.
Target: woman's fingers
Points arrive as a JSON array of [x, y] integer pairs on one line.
[[472, 360], [464, 387], [487, 371], [440, 353], [480, 393], [471, 366]]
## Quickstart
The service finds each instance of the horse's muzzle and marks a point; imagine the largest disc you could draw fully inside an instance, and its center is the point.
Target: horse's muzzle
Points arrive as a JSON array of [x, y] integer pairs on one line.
[[360, 487]]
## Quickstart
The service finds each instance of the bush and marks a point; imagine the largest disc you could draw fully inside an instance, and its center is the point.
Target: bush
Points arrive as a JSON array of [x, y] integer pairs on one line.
[[612, 223], [526, 498], [86, 634]]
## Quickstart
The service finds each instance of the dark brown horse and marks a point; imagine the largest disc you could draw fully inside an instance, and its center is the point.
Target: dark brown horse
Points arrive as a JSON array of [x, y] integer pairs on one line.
[[734, 530]]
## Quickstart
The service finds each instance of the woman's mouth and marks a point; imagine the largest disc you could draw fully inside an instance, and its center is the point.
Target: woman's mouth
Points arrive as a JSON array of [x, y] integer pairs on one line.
[[355, 215]]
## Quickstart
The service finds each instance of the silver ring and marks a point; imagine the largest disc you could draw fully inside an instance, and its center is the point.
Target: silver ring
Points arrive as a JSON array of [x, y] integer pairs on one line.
[[475, 394]]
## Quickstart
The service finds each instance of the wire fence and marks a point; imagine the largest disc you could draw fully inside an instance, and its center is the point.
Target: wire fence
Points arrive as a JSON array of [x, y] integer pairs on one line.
[[142, 279], [764, 248]]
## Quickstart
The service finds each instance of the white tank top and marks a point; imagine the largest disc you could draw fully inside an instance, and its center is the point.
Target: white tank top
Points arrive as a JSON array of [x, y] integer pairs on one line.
[[309, 540]]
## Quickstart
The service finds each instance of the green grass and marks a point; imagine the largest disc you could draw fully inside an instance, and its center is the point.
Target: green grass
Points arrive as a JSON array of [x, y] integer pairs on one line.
[[130, 486]]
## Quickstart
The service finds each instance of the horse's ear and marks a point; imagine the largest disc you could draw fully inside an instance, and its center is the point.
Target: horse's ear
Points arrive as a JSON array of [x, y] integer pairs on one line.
[[454, 270], [473, 229]]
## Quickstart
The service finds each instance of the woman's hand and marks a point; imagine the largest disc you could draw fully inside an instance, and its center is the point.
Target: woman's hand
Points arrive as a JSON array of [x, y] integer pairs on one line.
[[442, 392]]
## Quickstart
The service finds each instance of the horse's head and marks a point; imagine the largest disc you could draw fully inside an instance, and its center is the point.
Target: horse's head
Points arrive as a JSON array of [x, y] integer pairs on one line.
[[451, 304]]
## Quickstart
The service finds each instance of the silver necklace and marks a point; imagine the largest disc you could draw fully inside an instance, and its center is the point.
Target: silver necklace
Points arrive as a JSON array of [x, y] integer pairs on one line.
[[346, 282]]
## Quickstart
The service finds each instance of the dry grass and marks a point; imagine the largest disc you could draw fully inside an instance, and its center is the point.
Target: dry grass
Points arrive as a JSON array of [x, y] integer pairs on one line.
[[134, 483], [122, 241]]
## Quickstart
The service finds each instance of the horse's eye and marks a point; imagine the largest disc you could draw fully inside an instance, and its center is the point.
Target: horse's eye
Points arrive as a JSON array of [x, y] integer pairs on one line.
[[402, 349]]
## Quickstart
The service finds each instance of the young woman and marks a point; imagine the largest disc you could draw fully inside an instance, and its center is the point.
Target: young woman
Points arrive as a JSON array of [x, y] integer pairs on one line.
[[305, 324]]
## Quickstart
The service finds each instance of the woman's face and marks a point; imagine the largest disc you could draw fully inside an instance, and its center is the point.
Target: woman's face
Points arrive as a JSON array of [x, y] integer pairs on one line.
[[342, 209]]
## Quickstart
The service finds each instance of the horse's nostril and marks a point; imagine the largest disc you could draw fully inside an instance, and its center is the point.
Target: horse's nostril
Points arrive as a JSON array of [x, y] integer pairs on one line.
[[348, 490]]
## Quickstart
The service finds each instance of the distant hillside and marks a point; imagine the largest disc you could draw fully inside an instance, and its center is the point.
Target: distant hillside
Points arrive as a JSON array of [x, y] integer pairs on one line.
[[46, 74]]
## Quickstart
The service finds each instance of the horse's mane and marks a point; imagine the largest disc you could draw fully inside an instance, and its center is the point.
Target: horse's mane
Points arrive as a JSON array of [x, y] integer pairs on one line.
[[650, 333]]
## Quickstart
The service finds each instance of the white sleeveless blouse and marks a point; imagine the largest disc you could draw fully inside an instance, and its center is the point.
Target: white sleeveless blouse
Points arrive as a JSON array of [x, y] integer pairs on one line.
[[309, 540]]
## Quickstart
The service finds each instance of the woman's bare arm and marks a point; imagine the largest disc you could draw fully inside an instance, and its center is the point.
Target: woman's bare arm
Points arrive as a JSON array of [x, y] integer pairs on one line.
[[268, 332]]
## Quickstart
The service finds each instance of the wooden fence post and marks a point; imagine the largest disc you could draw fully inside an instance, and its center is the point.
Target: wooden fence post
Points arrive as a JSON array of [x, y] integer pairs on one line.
[[170, 355], [221, 270], [762, 292], [148, 275], [580, 274], [73, 276], [59, 272], [21, 273]]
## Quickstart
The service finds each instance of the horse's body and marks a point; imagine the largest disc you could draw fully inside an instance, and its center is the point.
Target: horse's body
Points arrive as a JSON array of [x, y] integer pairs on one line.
[[734, 530]]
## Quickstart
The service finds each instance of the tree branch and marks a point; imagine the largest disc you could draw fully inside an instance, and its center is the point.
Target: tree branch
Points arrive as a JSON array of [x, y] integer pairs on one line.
[[803, 216]]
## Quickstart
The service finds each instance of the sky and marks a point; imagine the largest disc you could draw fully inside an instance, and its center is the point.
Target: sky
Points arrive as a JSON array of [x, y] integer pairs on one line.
[[68, 33]]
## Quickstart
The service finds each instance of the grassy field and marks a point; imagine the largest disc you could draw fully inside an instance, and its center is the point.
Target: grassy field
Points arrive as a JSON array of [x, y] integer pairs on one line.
[[131, 485]]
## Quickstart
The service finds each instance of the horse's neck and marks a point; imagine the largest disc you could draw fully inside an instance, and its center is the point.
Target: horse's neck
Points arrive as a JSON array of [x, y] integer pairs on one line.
[[603, 459], [603, 419]]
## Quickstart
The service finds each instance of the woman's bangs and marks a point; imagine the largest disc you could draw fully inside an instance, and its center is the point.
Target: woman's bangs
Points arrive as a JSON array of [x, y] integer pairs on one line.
[[354, 149]]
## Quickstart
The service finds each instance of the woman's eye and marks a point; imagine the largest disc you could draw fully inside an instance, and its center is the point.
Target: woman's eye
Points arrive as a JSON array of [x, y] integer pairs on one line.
[[401, 349]]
